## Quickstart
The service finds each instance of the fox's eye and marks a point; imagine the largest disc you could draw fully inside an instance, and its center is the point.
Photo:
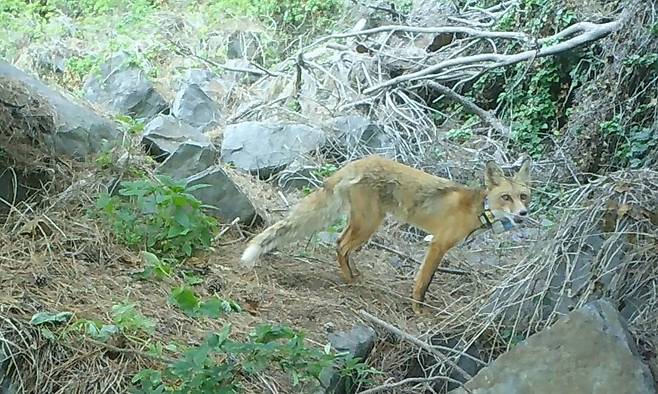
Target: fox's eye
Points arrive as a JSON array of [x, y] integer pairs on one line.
[[506, 197], [524, 197]]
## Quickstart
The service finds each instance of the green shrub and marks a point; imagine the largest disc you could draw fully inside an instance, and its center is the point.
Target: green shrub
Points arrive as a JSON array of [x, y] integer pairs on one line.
[[159, 216]]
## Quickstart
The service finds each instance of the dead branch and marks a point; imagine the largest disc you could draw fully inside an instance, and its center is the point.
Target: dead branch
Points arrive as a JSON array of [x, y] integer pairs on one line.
[[429, 30], [405, 256], [470, 106], [387, 386], [423, 345], [488, 61]]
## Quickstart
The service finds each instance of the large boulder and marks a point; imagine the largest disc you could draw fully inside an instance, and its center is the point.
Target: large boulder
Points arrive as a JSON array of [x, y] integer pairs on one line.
[[200, 99], [588, 351], [190, 158], [78, 131], [165, 134], [360, 136], [358, 342], [267, 147], [224, 195], [124, 89]]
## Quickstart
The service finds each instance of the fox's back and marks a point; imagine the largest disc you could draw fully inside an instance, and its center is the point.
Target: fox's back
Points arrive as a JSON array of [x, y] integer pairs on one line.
[[401, 190]]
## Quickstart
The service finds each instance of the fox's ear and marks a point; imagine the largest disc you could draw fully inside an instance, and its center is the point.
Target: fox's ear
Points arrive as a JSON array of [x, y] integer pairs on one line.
[[493, 175], [523, 176]]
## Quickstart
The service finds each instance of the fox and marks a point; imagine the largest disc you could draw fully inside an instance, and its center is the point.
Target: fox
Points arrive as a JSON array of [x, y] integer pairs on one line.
[[370, 188]]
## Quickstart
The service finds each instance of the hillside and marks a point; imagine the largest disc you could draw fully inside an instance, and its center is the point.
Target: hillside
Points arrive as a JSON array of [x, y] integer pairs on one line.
[[144, 143]]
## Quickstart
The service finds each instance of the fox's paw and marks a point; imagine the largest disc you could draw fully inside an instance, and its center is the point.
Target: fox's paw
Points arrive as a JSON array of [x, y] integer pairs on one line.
[[419, 309]]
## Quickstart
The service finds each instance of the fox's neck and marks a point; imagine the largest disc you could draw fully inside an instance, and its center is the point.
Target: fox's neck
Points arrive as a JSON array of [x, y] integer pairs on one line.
[[477, 205]]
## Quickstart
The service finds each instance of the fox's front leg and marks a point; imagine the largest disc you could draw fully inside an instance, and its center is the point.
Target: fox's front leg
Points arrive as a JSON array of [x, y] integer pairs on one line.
[[433, 258]]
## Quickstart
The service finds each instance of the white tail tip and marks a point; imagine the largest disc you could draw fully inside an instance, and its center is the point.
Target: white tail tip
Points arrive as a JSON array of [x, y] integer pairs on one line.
[[250, 256]]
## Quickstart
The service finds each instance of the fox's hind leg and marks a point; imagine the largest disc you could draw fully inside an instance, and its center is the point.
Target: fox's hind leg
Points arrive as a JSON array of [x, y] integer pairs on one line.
[[364, 220]]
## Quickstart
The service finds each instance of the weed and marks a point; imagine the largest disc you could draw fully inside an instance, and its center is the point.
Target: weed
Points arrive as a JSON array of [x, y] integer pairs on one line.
[[326, 170], [267, 346], [630, 145], [184, 298], [81, 66], [159, 216], [156, 268]]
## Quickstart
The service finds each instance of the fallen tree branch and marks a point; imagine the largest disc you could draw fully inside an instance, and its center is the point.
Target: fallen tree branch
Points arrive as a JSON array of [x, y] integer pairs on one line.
[[486, 116], [423, 345], [387, 386], [405, 256], [430, 30], [260, 71], [589, 32]]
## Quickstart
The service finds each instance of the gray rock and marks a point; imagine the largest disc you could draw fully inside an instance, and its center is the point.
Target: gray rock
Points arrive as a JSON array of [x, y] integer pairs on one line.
[[575, 274], [359, 342], [223, 194], [241, 77], [190, 158], [195, 107], [165, 134], [245, 45], [588, 351], [298, 174], [124, 89], [361, 136], [6, 384], [218, 89], [469, 361], [79, 132], [266, 147]]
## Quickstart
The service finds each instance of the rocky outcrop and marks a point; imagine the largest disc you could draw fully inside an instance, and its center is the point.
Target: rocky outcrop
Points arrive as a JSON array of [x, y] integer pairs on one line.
[[124, 89], [588, 351], [224, 195], [77, 131], [264, 148], [165, 134]]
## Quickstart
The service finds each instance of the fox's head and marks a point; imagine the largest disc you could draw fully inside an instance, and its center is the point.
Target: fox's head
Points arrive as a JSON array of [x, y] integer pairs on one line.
[[508, 197]]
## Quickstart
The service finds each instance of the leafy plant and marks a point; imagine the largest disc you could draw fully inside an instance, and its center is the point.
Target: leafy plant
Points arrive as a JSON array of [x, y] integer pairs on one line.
[[129, 320], [326, 170], [160, 216], [219, 363], [184, 298], [631, 145], [295, 13], [130, 125], [156, 268]]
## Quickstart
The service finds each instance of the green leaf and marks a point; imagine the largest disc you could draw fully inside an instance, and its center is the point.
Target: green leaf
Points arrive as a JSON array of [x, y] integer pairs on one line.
[[150, 258], [52, 318], [212, 308], [184, 298], [46, 333]]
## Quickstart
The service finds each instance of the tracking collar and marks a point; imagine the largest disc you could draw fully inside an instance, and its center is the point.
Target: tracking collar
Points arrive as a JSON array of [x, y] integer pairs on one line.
[[489, 220]]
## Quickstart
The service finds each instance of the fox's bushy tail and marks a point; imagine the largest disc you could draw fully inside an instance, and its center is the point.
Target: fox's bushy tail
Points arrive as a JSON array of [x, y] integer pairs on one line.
[[313, 213]]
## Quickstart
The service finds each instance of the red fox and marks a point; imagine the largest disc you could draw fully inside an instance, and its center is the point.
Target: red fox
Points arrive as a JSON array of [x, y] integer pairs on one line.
[[370, 188]]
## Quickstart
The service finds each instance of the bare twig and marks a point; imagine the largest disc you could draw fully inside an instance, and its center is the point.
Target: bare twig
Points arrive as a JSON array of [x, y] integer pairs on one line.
[[430, 30], [187, 52], [405, 256], [423, 345], [388, 386], [470, 106]]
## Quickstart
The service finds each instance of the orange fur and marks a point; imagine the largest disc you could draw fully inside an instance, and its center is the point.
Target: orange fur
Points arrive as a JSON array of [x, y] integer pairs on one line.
[[370, 188]]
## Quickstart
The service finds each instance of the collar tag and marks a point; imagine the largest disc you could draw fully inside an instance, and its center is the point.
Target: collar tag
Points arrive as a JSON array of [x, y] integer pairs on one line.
[[502, 225]]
